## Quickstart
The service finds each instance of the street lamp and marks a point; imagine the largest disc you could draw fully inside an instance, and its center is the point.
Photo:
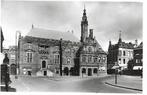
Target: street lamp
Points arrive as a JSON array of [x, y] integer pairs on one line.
[[116, 66], [16, 53]]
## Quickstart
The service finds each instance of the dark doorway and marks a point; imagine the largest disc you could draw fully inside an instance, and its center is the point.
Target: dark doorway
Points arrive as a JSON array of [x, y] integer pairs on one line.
[[89, 72], [95, 70], [66, 71], [43, 64], [45, 73], [29, 73], [72, 71], [83, 70]]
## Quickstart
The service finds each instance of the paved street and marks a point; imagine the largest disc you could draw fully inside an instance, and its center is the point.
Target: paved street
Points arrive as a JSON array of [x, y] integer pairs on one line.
[[66, 84]]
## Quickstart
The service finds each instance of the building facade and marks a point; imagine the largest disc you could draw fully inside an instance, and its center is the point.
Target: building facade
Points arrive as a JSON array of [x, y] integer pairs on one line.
[[120, 53], [138, 57], [41, 56], [93, 59], [47, 53]]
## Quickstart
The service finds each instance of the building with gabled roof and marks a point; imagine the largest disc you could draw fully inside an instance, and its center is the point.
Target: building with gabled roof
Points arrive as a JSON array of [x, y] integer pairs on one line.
[[93, 59], [120, 53], [44, 52], [138, 57]]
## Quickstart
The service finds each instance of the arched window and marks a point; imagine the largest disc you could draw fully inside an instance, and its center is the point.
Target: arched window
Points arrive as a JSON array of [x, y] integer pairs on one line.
[[43, 64], [95, 70], [89, 58], [83, 70], [83, 58], [124, 53], [29, 57]]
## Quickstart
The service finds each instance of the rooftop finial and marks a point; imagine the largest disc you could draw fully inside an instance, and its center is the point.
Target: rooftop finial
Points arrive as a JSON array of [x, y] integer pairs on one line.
[[120, 34], [84, 9], [120, 40]]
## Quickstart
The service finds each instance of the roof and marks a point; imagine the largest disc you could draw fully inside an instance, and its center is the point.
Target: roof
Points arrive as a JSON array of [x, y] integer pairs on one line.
[[126, 45], [141, 45], [52, 34]]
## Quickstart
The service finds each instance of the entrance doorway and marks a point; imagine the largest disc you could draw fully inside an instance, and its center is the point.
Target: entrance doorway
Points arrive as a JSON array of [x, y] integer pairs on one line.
[[29, 73], [45, 73], [89, 72], [43, 64], [66, 71]]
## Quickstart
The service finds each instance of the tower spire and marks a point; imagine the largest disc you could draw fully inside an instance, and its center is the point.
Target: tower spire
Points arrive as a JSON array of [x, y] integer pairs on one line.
[[120, 40], [120, 34], [84, 26]]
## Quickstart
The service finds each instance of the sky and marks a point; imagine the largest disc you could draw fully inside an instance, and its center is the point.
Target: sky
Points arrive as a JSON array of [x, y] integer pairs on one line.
[[105, 18]]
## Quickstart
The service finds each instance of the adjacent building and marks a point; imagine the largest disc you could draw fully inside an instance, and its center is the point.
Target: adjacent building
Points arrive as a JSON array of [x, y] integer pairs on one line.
[[119, 53], [138, 57]]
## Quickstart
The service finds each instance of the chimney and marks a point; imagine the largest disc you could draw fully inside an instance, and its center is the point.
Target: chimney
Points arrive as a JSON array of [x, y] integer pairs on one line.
[[91, 33]]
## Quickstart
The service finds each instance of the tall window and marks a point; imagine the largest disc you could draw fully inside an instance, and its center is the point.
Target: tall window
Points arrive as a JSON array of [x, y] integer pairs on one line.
[[43, 64], [120, 53], [124, 61], [119, 60], [56, 59], [124, 53], [84, 58], [68, 60], [95, 59], [89, 58], [29, 57], [104, 59], [99, 59]]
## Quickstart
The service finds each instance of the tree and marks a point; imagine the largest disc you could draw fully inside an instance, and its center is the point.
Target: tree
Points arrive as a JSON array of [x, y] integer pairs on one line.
[[130, 65]]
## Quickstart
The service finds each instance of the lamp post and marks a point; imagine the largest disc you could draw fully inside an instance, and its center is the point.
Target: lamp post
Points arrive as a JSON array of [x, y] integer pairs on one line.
[[60, 51], [16, 54], [116, 66]]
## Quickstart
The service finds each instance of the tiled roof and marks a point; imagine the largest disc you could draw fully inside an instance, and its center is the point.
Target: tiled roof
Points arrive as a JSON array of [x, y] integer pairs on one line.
[[126, 45], [52, 34]]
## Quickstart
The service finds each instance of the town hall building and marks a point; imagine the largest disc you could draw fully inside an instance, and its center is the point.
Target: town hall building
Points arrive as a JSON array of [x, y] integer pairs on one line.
[[44, 52]]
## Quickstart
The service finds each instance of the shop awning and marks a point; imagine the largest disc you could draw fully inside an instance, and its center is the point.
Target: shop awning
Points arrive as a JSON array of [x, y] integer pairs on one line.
[[137, 68]]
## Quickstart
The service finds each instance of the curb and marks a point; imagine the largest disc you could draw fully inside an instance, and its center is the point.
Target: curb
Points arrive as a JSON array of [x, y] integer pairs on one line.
[[123, 87]]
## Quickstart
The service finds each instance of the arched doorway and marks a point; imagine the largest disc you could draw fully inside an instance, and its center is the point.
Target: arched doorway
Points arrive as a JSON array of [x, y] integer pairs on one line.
[[89, 71], [13, 69], [95, 70], [72, 71], [66, 70], [43, 64], [83, 70]]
